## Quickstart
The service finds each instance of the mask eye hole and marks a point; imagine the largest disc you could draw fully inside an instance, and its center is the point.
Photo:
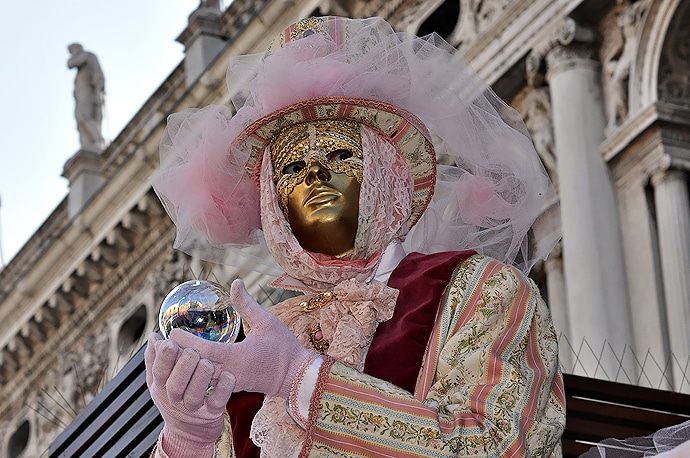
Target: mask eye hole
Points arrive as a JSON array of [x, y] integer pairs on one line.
[[339, 155], [294, 167]]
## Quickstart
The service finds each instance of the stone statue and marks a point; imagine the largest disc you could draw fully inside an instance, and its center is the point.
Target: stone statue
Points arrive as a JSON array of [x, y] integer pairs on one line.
[[536, 113], [89, 96], [214, 4], [618, 53]]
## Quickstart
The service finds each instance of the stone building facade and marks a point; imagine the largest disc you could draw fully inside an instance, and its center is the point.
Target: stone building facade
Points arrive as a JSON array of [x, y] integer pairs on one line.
[[604, 88]]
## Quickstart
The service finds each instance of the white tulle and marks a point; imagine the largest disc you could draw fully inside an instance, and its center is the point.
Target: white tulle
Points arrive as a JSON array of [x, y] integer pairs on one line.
[[487, 201], [671, 442]]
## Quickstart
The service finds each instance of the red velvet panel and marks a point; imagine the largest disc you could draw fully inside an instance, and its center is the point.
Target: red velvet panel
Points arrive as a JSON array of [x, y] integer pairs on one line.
[[241, 409], [399, 344]]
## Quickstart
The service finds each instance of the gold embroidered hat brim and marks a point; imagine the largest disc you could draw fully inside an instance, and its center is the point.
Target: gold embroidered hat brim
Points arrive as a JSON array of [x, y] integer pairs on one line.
[[402, 129]]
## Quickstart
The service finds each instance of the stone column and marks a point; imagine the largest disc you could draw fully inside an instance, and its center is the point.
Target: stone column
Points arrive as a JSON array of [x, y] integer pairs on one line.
[[643, 273], [673, 222], [593, 258], [558, 301]]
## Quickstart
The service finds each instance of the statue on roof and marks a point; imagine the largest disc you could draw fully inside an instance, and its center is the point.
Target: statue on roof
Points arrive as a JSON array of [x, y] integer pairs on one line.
[[89, 96]]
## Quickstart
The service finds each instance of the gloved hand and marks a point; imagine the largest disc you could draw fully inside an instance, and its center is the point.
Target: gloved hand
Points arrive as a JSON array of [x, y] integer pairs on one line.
[[178, 380], [266, 361]]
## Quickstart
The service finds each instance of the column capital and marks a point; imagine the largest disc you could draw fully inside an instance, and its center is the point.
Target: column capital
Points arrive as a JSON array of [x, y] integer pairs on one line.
[[668, 168], [661, 176], [555, 258], [567, 41], [560, 58]]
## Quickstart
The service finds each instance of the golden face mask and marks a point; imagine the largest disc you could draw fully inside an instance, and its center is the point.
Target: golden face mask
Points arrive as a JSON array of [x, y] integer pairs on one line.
[[334, 144]]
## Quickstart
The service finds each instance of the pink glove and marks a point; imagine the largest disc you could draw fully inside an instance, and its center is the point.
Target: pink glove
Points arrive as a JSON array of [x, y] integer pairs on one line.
[[267, 361], [178, 381]]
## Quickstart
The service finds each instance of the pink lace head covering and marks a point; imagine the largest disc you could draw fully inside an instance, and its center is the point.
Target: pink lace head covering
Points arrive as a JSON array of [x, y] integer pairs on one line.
[[414, 97]]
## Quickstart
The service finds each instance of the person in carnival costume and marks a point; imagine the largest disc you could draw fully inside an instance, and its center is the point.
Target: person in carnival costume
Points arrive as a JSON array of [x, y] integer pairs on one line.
[[418, 332]]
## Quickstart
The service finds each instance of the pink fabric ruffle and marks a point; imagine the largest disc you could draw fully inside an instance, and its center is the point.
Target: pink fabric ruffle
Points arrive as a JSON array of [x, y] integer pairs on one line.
[[349, 322]]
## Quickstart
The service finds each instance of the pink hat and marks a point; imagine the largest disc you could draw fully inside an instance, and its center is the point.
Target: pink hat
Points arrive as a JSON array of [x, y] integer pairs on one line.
[[417, 93]]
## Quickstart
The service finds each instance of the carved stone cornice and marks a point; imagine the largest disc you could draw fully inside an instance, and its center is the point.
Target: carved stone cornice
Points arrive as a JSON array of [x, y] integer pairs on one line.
[[627, 132], [660, 176], [203, 21], [567, 42], [383, 8], [240, 13], [84, 296], [408, 17], [639, 145]]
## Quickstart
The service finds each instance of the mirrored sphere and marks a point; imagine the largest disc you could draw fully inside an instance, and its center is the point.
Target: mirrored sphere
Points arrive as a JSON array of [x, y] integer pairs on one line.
[[201, 307]]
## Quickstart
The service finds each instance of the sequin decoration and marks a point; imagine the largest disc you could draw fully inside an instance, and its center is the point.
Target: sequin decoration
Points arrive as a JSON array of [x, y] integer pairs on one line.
[[201, 307], [317, 302], [325, 135], [317, 339]]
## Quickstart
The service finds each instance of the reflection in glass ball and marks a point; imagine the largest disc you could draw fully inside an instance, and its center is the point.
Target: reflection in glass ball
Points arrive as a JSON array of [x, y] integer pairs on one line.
[[201, 307]]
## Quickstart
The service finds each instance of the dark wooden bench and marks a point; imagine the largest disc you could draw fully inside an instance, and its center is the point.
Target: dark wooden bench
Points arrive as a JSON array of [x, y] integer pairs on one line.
[[122, 421], [598, 409]]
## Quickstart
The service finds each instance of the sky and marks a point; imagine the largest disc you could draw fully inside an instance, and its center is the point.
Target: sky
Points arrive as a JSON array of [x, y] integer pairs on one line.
[[134, 41]]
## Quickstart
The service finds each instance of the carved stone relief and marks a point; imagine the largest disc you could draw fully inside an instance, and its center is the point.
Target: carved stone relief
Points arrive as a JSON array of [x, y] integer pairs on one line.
[[16, 434], [78, 375], [382, 8], [475, 17], [618, 52], [171, 273], [337, 8], [535, 109], [83, 368], [486, 11], [674, 67]]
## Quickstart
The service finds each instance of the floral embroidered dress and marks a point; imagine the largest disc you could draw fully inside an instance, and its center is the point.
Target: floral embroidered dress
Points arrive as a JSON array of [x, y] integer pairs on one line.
[[489, 385]]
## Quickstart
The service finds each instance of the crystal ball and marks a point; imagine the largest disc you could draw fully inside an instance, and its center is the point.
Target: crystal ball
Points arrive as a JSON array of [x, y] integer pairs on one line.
[[201, 307]]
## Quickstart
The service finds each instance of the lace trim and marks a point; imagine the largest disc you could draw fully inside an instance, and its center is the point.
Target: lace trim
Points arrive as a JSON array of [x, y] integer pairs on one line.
[[314, 405], [349, 322], [294, 391], [274, 431]]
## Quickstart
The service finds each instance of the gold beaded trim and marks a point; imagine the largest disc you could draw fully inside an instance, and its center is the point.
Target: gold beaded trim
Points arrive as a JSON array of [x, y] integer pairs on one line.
[[313, 24], [320, 344], [317, 302], [294, 142]]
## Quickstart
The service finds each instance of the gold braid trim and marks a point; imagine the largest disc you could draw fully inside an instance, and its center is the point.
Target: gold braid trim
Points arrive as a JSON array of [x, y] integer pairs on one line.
[[294, 142]]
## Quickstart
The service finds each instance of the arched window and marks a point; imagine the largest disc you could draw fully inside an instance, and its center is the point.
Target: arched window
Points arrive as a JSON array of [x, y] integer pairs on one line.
[[132, 330], [443, 20], [19, 440]]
